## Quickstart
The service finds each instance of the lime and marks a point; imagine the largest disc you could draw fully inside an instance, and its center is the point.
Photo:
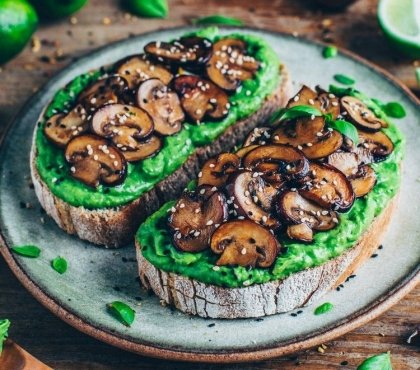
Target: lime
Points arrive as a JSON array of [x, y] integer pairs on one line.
[[57, 8], [18, 21], [400, 21]]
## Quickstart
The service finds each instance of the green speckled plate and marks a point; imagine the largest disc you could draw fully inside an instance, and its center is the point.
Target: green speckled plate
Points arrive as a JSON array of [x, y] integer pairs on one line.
[[97, 276]]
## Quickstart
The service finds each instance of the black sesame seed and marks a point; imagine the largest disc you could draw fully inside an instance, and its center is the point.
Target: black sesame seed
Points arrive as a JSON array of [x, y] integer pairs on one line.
[[211, 325], [259, 319], [344, 363], [299, 312], [293, 314], [337, 289], [374, 255], [380, 247]]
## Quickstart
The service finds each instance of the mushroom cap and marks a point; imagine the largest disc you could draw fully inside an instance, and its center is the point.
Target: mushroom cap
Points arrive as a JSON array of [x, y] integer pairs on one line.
[[216, 170], [359, 114]]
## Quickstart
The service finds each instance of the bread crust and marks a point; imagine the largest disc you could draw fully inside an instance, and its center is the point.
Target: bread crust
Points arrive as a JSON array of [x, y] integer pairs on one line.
[[297, 290], [116, 226]]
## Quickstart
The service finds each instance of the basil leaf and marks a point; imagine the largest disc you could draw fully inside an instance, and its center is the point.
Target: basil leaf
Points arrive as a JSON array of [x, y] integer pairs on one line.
[[217, 19], [343, 79], [394, 110], [31, 251], [299, 111], [147, 8], [325, 307], [341, 91], [378, 362], [59, 264], [346, 128], [329, 51], [122, 312], [276, 116], [4, 327]]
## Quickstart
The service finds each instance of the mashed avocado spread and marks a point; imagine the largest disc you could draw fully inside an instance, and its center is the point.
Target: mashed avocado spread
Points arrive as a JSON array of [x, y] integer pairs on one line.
[[155, 239], [144, 175]]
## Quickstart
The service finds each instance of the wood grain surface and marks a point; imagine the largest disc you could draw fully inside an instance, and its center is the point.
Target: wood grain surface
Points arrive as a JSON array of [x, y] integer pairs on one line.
[[102, 21]]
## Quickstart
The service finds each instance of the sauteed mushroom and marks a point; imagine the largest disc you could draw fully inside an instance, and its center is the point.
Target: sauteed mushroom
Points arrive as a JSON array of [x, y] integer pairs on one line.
[[300, 232], [244, 243], [360, 114], [377, 143], [364, 181], [216, 170], [259, 136], [346, 162]]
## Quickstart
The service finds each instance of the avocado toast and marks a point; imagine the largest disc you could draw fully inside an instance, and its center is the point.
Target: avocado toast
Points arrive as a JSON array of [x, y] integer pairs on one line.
[[274, 225], [118, 142]]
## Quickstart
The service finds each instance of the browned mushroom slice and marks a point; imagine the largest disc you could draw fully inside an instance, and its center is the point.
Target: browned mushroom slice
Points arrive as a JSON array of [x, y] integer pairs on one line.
[[143, 149], [377, 143], [60, 128], [229, 65], [328, 187], [244, 243], [195, 217], [290, 162], [186, 51], [245, 150], [94, 161], [324, 146], [201, 98], [216, 170], [358, 113], [139, 68], [364, 181], [300, 232], [259, 135], [162, 105], [346, 162], [295, 209], [252, 198]]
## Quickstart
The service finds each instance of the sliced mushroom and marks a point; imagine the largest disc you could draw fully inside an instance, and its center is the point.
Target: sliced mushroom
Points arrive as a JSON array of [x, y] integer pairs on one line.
[[162, 105], [216, 170], [290, 162], [139, 68], [229, 65], [244, 243], [195, 217], [377, 143], [201, 98], [259, 135], [328, 187], [242, 152], [358, 113], [295, 209], [60, 128], [190, 51], [252, 198], [300, 232], [364, 181], [346, 162], [143, 149], [95, 161]]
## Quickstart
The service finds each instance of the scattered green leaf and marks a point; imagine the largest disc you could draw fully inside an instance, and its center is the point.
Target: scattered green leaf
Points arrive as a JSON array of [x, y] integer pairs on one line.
[[298, 111], [59, 264], [394, 110], [4, 327], [378, 362], [122, 312], [218, 19], [147, 8], [329, 51], [346, 128], [345, 80], [341, 91], [31, 251], [324, 308]]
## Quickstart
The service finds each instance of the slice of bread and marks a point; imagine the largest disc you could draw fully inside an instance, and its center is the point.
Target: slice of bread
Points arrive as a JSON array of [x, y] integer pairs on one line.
[[297, 290], [115, 227]]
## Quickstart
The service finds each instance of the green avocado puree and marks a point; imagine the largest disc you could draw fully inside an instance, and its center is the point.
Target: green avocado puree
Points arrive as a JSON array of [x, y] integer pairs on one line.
[[156, 245], [144, 175]]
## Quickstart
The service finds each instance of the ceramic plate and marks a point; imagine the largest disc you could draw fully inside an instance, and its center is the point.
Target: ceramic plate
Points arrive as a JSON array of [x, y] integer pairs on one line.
[[97, 276]]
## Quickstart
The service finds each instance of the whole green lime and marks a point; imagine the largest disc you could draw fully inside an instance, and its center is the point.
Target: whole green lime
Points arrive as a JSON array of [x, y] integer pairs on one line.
[[18, 21], [57, 8]]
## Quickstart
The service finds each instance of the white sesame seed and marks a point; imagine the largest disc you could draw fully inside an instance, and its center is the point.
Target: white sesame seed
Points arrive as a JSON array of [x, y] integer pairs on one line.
[[296, 98], [209, 223], [243, 251]]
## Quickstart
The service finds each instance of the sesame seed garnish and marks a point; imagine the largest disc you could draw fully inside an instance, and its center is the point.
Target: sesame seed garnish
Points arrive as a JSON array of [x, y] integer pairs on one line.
[[296, 98], [202, 191], [200, 174], [243, 251], [209, 223], [335, 219], [182, 205]]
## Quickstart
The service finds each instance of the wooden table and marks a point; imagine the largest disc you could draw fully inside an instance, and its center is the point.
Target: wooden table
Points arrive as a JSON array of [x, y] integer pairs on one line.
[[62, 347]]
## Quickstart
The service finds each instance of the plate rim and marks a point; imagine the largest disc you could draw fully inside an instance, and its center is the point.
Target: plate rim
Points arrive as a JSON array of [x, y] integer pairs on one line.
[[359, 318]]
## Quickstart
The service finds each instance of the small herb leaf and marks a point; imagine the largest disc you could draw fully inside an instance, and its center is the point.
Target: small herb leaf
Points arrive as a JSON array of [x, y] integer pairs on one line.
[[31, 251], [378, 362], [148, 8], [325, 307], [218, 19], [4, 327], [299, 111], [343, 79], [346, 128], [122, 312], [329, 51], [59, 264], [394, 110]]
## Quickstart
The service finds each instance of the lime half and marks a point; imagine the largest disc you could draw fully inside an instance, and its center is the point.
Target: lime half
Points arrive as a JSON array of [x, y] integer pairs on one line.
[[400, 21]]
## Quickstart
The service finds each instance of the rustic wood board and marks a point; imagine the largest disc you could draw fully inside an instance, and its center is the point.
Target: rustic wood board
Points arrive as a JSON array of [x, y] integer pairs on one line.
[[62, 347]]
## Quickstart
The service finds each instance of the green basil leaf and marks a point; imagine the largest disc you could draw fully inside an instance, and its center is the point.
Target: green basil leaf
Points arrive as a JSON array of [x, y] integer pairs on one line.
[[394, 110], [299, 111], [346, 128], [276, 116], [218, 19], [325, 307], [4, 327], [343, 79], [378, 362], [342, 91], [329, 51], [122, 312], [59, 264], [147, 8], [31, 251]]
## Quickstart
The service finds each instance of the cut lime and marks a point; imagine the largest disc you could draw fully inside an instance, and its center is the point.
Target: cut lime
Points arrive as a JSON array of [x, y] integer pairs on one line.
[[400, 21]]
